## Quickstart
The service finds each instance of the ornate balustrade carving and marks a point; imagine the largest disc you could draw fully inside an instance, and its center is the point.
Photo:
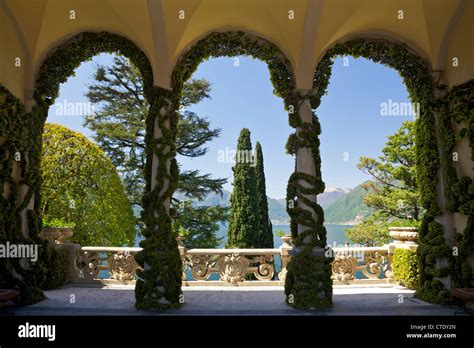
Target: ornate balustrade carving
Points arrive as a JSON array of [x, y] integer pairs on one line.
[[118, 262], [234, 266], [372, 262]]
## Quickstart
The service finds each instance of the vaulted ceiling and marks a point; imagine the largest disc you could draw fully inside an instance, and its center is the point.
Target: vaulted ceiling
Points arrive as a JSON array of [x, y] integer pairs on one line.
[[438, 30]]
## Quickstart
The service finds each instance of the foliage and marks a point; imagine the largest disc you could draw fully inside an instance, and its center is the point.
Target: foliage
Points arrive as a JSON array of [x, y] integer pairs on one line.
[[394, 191], [456, 124], [308, 280], [119, 128], [81, 186], [56, 275], [420, 86], [200, 224], [405, 268], [158, 286], [243, 231], [348, 207], [280, 233], [57, 223], [17, 132], [371, 231], [265, 230]]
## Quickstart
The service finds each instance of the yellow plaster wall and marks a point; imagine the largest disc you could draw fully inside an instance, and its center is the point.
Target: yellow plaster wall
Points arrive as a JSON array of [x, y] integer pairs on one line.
[[267, 18], [11, 77], [461, 45], [341, 19], [128, 18]]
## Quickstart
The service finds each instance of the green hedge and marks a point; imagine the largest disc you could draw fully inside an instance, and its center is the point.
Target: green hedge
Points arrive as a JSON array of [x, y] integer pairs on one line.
[[420, 85], [405, 268], [56, 275]]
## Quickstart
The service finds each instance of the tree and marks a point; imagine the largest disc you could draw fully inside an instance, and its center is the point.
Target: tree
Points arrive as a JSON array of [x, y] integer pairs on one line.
[[265, 230], [243, 216], [393, 192], [371, 231], [204, 219], [119, 128], [80, 185]]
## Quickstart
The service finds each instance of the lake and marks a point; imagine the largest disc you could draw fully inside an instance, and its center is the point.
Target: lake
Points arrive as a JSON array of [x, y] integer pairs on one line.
[[335, 234]]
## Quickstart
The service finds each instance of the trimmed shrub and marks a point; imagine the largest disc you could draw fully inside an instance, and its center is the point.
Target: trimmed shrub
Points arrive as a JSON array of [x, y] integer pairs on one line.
[[57, 267], [405, 268]]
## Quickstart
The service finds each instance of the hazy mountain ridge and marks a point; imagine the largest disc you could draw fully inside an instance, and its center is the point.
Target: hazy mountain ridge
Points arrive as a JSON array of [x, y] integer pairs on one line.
[[277, 207], [349, 208]]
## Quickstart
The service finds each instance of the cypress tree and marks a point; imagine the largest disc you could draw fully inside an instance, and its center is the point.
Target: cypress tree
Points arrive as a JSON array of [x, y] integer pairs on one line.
[[265, 230], [243, 231]]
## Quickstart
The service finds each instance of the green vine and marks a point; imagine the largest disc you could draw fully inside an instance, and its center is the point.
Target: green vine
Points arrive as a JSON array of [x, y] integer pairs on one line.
[[308, 283], [420, 85], [313, 288], [156, 286], [15, 137], [457, 110]]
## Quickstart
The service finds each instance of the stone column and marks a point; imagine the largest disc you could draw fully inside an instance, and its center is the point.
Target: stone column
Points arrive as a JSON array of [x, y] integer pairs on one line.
[[305, 162], [446, 217], [308, 281], [285, 250], [159, 284]]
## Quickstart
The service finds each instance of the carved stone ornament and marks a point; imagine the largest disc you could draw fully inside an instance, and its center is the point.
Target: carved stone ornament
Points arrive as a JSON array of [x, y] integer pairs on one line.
[[232, 268], [343, 268], [122, 266], [88, 264], [265, 270]]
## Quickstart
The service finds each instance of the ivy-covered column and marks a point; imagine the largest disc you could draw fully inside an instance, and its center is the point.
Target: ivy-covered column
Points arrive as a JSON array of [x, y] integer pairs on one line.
[[456, 127], [308, 282], [20, 224], [159, 284]]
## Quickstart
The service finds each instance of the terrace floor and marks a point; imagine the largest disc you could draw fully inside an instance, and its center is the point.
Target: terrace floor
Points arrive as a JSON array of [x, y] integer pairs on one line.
[[213, 300]]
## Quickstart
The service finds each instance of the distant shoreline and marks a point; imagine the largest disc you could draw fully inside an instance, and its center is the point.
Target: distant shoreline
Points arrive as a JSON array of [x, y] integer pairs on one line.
[[287, 223]]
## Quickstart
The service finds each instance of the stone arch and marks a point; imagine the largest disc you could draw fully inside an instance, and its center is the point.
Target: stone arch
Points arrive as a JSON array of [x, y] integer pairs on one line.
[[377, 35], [422, 89], [303, 185], [222, 30], [58, 65], [69, 52]]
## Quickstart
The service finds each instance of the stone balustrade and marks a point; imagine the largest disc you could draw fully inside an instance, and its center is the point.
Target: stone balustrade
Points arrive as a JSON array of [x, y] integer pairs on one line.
[[117, 263], [232, 265], [371, 264], [239, 266]]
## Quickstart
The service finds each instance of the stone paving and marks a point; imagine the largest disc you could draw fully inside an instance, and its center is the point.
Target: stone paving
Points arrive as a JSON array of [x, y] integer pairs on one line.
[[269, 300]]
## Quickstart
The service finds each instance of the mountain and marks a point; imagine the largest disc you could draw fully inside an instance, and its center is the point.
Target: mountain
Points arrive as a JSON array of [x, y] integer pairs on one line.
[[330, 195], [276, 207], [348, 208], [341, 205]]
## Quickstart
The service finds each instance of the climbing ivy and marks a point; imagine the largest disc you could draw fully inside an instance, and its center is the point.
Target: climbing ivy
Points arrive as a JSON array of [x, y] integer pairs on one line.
[[457, 112], [312, 289], [15, 133], [308, 283], [157, 285], [420, 85]]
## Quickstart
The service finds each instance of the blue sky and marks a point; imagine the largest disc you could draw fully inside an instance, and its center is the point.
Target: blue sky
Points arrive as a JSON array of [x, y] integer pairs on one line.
[[242, 96]]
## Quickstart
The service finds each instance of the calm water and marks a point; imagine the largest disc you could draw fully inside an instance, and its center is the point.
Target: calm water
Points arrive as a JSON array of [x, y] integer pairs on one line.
[[335, 234]]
